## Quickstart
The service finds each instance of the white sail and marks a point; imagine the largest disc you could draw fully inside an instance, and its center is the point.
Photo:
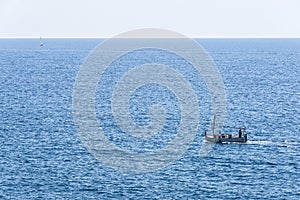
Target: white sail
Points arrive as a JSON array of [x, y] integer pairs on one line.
[[41, 42]]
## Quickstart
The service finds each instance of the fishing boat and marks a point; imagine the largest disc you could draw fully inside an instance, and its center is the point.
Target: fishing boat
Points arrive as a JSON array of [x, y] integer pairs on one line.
[[241, 137]]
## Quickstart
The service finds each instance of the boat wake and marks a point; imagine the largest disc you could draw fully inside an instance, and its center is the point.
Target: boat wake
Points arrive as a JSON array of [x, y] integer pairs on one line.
[[272, 143]]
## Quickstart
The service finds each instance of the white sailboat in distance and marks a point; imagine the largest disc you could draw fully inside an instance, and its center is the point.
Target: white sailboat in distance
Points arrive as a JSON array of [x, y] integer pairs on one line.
[[41, 42]]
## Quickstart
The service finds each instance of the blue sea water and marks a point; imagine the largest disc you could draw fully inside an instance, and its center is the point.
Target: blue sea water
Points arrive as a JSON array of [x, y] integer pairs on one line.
[[42, 155]]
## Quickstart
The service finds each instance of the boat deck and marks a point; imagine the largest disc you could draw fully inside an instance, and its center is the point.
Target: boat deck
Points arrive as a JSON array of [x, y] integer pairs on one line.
[[226, 139]]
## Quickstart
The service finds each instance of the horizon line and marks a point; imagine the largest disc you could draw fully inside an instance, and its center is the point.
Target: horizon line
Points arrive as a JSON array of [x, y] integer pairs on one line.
[[193, 37]]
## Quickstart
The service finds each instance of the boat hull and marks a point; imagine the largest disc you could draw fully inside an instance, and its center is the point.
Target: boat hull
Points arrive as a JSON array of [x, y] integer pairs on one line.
[[242, 139]]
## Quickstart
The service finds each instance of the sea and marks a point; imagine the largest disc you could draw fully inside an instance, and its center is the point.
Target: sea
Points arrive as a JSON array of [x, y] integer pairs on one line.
[[43, 156]]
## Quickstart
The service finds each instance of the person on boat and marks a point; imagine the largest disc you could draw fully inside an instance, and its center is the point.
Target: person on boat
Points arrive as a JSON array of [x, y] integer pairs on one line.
[[240, 133]]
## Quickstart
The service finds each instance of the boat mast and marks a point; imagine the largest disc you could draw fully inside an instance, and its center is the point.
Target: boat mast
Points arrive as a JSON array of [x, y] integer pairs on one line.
[[214, 122]]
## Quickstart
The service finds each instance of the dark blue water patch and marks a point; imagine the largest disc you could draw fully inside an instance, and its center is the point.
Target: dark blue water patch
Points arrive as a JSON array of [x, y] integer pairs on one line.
[[139, 106]]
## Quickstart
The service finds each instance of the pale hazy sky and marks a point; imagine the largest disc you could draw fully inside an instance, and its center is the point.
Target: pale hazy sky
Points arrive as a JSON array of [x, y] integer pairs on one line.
[[193, 18]]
